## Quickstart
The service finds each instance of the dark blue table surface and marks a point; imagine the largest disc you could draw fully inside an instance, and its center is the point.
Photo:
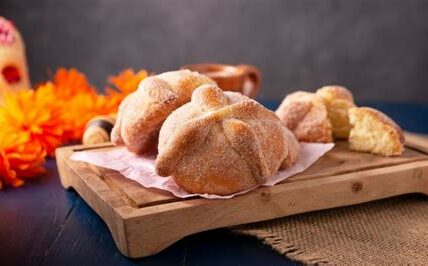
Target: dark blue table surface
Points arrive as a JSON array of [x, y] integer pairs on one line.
[[43, 224]]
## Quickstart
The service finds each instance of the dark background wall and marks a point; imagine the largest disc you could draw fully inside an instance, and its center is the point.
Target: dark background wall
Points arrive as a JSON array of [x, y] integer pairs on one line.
[[377, 48]]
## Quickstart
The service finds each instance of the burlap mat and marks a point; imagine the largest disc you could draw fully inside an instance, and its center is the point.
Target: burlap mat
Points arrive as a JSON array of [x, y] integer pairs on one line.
[[392, 231]]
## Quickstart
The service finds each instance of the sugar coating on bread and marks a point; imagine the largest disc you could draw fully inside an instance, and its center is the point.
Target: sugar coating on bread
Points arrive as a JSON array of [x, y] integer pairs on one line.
[[293, 149], [142, 113], [335, 92], [222, 143], [338, 100], [305, 114], [373, 131]]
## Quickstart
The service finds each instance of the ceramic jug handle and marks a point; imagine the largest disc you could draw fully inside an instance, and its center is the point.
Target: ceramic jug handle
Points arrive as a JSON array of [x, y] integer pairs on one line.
[[252, 80]]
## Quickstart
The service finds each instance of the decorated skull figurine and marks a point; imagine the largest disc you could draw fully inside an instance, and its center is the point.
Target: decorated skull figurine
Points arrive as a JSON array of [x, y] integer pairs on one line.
[[13, 62]]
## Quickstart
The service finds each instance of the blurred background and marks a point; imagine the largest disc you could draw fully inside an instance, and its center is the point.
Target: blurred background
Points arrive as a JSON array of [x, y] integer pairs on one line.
[[377, 48]]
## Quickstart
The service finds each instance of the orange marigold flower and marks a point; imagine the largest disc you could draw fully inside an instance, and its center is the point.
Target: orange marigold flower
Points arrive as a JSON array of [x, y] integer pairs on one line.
[[125, 83], [70, 82], [35, 122], [20, 158], [37, 113], [82, 108]]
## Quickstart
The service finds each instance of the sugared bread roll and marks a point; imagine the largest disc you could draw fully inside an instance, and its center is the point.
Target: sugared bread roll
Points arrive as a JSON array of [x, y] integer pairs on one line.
[[373, 131], [305, 114], [222, 143], [338, 100], [142, 113]]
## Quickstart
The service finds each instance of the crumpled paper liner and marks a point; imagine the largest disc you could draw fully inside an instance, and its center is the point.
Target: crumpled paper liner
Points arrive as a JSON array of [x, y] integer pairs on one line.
[[142, 169]]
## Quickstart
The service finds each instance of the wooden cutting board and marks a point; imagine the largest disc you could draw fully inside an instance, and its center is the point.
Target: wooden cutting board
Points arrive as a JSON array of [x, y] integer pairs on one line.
[[145, 221]]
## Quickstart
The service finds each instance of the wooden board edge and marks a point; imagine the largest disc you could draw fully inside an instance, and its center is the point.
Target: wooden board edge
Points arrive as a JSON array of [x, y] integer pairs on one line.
[[123, 221], [145, 226], [95, 193]]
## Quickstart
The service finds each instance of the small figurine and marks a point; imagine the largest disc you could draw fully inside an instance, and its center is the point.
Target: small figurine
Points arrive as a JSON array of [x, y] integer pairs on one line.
[[98, 129], [13, 61]]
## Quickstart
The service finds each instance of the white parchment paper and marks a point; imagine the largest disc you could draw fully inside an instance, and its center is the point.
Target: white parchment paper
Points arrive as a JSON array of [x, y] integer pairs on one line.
[[142, 169]]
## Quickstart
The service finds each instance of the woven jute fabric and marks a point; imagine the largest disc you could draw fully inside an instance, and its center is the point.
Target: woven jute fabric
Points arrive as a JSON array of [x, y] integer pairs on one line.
[[391, 231]]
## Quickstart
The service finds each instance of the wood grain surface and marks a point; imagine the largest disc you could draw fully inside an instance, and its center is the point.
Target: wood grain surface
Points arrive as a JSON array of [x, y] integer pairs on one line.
[[145, 221]]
